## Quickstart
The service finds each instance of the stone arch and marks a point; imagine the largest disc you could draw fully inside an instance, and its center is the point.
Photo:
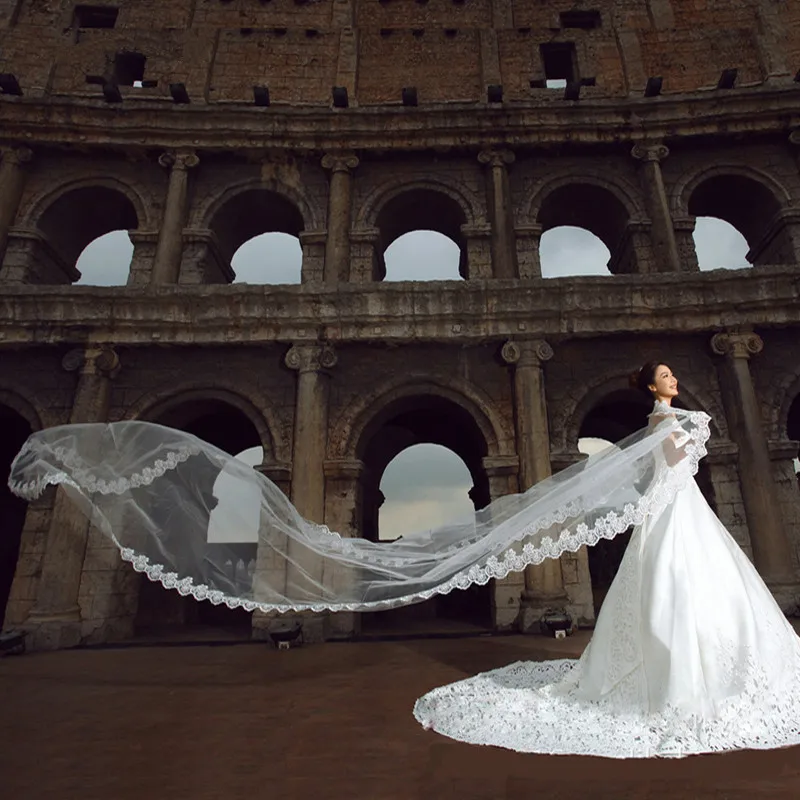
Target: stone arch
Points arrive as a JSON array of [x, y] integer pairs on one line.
[[424, 204], [17, 402], [161, 402], [572, 414], [367, 215], [350, 426], [745, 197], [623, 192], [44, 201], [786, 396], [261, 192], [74, 214], [606, 209]]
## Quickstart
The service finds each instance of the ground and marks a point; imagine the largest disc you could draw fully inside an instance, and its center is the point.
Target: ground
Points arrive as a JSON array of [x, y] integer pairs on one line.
[[329, 721]]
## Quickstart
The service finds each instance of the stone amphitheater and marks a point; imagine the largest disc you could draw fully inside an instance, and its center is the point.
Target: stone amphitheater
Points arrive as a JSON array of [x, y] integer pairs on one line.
[[197, 125]]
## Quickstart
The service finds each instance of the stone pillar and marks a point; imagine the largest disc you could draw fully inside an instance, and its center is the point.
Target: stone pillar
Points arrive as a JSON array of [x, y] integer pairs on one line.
[[502, 473], [498, 200], [337, 248], [312, 362], [652, 182], [544, 583], [12, 183], [771, 551], [167, 263], [476, 264], [528, 239], [55, 621], [343, 496]]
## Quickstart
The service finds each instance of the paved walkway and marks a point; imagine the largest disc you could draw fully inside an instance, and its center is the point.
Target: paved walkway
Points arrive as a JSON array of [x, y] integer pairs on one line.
[[326, 721]]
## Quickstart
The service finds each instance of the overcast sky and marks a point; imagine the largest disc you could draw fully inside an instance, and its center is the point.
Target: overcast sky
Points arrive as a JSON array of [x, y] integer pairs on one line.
[[426, 484]]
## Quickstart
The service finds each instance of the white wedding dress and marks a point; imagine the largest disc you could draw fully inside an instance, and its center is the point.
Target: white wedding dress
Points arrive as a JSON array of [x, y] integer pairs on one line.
[[690, 654]]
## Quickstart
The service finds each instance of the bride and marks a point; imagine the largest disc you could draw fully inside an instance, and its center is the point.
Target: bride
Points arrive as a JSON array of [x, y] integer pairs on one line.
[[690, 653]]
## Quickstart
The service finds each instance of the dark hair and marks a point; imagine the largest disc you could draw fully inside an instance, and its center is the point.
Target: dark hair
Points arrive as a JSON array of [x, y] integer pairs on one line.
[[643, 378]]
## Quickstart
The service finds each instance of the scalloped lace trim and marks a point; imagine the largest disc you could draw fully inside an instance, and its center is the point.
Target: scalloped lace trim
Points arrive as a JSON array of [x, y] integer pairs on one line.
[[82, 477], [533, 707]]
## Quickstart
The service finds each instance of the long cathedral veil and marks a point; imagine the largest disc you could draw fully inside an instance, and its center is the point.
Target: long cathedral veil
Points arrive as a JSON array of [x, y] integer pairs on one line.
[[151, 490]]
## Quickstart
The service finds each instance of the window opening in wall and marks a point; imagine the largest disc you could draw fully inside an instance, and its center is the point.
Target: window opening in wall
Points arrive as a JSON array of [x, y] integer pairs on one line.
[[129, 69], [559, 63], [425, 485], [106, 261], [568, 250], [423, 255], [269, 258], [96, 16], [719, 245], [584, 20]]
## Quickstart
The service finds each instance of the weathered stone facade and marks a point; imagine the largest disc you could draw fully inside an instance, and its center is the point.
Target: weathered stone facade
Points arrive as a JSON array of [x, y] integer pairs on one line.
[[336, 376]]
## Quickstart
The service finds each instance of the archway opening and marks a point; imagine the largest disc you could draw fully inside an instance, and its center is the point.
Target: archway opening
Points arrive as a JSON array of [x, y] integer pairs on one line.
[[14, 430], [164, 613], [244, 219], [793, 432], [419, 210], [744, 203], [422, 256], [396, 434], [106, 261], [569, 251], [78, 219], [719, 245], [269, 258], [593, 209]]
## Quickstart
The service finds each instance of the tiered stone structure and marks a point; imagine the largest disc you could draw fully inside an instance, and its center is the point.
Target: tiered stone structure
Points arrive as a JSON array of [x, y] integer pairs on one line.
[[196, 125]]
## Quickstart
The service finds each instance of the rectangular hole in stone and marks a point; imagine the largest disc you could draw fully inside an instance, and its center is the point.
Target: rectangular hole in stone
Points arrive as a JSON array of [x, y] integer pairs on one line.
[[559, 63], [96, 16], [585, 20], [129, 68]]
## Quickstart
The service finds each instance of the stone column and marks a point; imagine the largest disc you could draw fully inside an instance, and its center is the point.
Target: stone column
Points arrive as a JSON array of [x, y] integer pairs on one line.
[[337, 248], [498, 199], [544, 583], [651, 154], [55, 620], [771, 551], [12, 183], [167, 262], [312, 362]]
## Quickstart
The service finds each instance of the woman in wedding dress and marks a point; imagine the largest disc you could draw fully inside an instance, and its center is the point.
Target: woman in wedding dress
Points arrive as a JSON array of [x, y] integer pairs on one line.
[[690, 653]]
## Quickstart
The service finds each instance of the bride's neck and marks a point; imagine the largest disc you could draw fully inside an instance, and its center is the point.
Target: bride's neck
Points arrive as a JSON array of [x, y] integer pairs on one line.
[[666, 400]]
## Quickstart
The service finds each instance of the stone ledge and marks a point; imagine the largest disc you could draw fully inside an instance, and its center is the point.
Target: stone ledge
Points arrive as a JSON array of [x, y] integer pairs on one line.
[[471, 311]]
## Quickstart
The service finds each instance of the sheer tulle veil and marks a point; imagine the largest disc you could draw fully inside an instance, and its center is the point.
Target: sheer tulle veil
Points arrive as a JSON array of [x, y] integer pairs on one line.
[[151, 490]]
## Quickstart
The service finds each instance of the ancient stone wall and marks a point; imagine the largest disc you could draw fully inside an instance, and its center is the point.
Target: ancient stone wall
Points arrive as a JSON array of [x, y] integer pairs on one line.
[[297, 122]]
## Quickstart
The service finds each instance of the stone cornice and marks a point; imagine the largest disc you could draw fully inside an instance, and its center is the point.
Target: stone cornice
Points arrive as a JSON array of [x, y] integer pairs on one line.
[[473, 311], [60, 121]]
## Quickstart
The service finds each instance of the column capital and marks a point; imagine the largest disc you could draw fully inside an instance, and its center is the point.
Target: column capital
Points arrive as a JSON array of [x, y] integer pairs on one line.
[[496, 158], [340, 162], [650, 151], [92, 360], [16, 155], [737, 345], [311, 358], [179, 159], [526, 352]]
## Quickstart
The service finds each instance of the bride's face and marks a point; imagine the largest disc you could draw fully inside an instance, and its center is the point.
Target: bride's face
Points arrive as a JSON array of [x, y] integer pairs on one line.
[[665, 384]]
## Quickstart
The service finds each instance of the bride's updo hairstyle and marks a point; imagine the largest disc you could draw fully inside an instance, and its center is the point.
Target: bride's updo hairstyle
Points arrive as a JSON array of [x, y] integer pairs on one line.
[[643, 378]]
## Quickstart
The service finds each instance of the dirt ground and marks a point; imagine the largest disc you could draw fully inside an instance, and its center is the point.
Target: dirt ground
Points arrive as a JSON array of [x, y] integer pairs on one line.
[[326, 721]]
